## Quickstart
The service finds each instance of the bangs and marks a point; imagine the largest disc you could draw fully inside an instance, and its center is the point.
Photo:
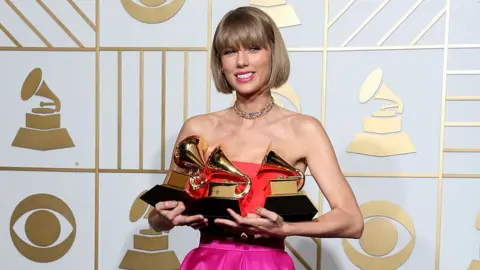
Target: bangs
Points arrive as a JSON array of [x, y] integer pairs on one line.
[[242, 30]]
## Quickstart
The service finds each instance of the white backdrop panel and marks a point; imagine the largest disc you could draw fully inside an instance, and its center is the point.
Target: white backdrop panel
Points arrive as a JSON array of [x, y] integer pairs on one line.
[[76, 190], [190, 21], [116, 230], [378, 23], [415, 78], [417, 198], [460, 241], [68, 76]]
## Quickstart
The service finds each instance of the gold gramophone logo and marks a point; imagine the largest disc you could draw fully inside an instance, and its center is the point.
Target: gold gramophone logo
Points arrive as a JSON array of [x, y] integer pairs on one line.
[[380, 237], [382, 131], [475, 264], [152, 11], [43, 130], [282, 14], [150, 248], [42, 228]]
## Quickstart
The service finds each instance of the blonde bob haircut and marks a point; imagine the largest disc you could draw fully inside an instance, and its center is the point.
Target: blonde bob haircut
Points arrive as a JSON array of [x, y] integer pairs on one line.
[[249, 27]]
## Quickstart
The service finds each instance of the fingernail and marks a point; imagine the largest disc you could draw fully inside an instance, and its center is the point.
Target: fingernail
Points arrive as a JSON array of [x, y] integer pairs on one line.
[[173, 203]]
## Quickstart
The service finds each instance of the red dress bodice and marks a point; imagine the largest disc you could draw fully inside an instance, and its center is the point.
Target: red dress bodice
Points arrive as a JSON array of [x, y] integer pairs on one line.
[[259, 190]]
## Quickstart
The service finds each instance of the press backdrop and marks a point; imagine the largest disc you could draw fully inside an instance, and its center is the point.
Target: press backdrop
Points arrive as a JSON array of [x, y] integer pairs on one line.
[[94, 93]]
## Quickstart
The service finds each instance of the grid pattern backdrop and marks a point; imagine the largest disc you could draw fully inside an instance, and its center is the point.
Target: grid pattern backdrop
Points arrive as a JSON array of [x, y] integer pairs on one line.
[[94, 93]]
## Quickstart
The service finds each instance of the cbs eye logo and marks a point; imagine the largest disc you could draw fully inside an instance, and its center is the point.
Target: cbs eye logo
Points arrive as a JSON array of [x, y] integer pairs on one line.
[[381, 236], [152, 11], [42, 228]]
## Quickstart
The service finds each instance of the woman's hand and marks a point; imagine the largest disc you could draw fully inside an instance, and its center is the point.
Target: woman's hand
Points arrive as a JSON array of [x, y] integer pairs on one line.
[[266, 224], [169, 214]]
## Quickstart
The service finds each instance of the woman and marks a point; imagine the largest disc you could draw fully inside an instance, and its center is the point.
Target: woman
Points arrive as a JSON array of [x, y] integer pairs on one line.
[[250, 58]]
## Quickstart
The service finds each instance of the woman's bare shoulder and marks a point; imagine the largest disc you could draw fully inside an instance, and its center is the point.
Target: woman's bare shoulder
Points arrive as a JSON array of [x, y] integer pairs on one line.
[[201, 124]]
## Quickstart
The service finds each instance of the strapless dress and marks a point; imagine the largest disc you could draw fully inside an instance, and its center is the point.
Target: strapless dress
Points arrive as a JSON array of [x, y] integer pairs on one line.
[[219, 251]]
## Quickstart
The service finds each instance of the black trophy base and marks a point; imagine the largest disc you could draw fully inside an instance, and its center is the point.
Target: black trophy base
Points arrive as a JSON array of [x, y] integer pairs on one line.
[[212, 208], [294, 208], [161, 193]]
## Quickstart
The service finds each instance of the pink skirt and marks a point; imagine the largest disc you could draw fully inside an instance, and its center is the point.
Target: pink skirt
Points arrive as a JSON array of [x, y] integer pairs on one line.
[[222, 254]]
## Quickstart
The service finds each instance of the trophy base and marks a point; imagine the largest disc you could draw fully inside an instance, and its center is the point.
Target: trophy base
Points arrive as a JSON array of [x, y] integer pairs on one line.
[[293, 208], [161, 193], [213, 207]]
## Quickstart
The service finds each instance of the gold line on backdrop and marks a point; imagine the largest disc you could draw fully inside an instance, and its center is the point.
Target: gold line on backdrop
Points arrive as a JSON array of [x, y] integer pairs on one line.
[[141, 109], [185, 86], [119, 109], [442, 139], [97, 131]]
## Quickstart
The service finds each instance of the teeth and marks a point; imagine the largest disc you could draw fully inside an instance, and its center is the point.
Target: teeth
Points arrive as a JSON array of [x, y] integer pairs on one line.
[[244, 76]]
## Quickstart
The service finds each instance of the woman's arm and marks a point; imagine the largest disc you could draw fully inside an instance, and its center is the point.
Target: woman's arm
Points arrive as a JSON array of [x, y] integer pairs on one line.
[[345, 219]]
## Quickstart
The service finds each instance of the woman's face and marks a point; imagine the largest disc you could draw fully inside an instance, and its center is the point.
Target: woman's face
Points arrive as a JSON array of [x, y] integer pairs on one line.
[[247, 69]]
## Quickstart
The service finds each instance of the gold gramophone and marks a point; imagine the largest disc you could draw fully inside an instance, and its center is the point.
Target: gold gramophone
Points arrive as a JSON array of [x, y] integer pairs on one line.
[[149, 246], [382, 132], [285, 198], [43, 130], [188, 156], [221, 194]]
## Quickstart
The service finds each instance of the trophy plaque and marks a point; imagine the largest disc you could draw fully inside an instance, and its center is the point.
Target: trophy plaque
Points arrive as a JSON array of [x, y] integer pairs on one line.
[[180, 186], [285, 198], [222, 194]]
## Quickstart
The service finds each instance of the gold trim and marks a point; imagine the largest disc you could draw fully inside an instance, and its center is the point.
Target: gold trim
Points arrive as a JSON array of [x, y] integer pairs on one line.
[[164, 72], [62, 25], [364, 23], [442, 139], [399, 22], [297, 255], [462, 124], [428, 26], [82, 14], [209, 49], [185, 86], [10, 36], [97, 131], [119, 109], [28, 23], [463, 98], [140, 120], [461, 175], [462, 150]]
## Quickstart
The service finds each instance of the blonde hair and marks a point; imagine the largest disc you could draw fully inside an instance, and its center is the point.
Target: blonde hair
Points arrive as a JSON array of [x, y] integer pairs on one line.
[[249, 26]]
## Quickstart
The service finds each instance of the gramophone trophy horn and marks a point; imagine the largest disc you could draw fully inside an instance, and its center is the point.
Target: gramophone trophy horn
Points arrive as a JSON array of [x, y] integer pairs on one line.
[[272, 161], [187, 155], [219, 164], [221, 194], [285, 198]]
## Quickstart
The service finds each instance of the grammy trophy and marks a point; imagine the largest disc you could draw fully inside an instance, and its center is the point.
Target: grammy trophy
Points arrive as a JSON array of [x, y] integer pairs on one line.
[[180, 185], [220, 194], [285, 198]]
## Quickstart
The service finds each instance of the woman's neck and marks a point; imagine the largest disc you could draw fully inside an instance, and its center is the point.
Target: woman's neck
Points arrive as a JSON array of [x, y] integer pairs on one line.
[[255, 102]]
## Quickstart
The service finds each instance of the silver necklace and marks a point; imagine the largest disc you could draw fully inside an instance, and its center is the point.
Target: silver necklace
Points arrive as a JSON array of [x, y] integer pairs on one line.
[[254, 115]]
